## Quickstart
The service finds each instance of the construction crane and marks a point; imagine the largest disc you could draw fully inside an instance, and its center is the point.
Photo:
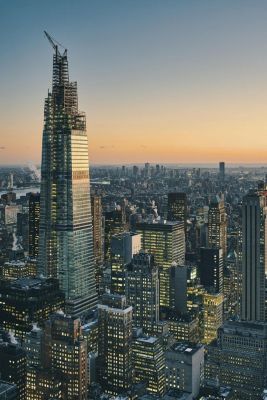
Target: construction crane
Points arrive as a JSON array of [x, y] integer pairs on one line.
[[54, 43]]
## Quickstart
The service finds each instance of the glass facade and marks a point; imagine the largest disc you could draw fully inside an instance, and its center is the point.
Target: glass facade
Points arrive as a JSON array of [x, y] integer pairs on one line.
[[66, 239]]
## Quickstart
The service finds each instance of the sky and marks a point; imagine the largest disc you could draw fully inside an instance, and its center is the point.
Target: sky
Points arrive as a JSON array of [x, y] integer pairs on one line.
[[165, 81]]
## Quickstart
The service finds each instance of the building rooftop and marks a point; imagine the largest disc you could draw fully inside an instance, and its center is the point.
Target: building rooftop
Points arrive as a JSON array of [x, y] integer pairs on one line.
[[147, 339], [185, 348], [6, 387], [245, 328], [15, 263], [159, 222], [29, 283]]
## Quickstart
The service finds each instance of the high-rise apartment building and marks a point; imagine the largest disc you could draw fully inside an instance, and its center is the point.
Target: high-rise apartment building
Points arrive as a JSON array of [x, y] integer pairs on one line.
[[34, 222], [123, 247], [66, 239], [254, 257], [114, 344], [217, 225], [142, 291], [166, 241], [177, 208]]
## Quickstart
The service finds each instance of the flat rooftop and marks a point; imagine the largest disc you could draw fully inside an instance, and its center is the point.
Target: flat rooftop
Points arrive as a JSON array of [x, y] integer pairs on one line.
[[185, 348], [6, 387]]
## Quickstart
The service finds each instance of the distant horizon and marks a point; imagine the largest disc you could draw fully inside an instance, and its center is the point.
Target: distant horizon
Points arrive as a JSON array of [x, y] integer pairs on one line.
[[170, 164]]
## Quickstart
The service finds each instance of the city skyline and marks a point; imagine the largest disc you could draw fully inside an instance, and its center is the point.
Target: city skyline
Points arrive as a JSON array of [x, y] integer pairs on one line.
[[144, 277], [189, 73]]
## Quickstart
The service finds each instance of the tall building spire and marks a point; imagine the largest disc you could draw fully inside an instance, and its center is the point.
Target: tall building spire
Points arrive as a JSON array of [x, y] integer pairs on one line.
[[66, 241]]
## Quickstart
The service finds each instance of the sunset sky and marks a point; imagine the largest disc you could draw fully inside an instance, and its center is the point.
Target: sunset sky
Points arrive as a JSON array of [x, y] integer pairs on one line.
[[167, 81]]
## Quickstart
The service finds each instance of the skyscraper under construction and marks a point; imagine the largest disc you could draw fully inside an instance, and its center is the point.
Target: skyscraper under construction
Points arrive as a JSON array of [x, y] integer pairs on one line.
[[66, 241]]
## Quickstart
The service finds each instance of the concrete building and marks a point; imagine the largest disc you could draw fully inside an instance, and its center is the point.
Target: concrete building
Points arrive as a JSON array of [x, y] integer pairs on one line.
[[26, 301], [65, 356], [149, 363], [185, 367], [239, 359], [114, 344]]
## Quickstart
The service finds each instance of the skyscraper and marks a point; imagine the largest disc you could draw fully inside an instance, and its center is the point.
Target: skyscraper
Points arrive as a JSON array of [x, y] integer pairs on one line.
[[142, 291], [66, 240], [34, 221], [123, 247], [181, 277], [253, 257], [166, 241], [115, 222], [217, 225], [211, 269], [213, 315], [114, 344], [66, 354], [222, 169], [177, 207], [149, 363], [97, 221], [13, 364]]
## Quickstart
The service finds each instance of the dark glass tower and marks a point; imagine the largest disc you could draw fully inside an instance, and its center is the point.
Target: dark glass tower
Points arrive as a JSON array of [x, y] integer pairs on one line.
[[66, 239], [34, 221]]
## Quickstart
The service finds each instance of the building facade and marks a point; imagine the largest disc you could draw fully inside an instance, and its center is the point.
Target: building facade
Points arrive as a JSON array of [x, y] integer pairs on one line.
[[114, 344], [142, 291], [66, 238], [217, 225], [166, 241], [253, 257], [34, 222]]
